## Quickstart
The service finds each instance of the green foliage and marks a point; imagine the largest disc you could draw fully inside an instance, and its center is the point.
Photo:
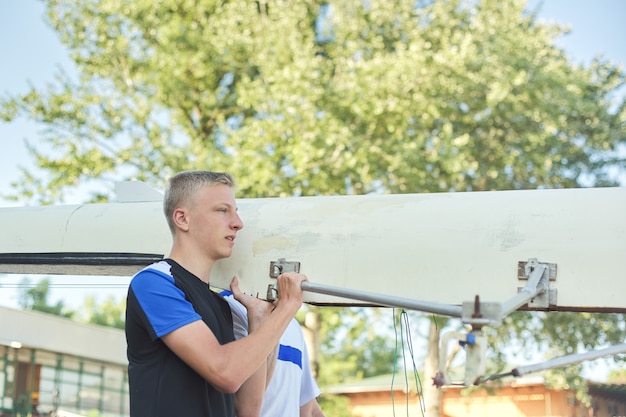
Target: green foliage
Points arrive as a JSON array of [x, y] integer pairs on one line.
[[567, 333], [110, 312], [564, 333], [312, 97], [36, 298], [335, 405], [557, 334], [617, 376], [357, 343]]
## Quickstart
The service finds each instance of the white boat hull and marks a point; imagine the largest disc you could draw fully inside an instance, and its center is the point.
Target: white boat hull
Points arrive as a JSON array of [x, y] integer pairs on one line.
[[444, 247]]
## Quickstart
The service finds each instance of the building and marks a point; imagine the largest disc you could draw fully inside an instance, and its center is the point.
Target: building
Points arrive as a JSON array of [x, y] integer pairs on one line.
[[50, 364], [528, 397]]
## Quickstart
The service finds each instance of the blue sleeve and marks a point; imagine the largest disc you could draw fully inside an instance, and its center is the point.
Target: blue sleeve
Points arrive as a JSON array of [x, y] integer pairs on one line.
[[163, 304]]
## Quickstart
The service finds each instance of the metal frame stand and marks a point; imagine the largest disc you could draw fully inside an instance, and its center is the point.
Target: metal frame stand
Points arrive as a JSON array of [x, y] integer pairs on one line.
[[535, 293]]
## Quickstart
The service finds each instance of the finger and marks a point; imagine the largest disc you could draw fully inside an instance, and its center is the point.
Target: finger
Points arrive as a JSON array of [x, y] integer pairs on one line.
[[234, 286]]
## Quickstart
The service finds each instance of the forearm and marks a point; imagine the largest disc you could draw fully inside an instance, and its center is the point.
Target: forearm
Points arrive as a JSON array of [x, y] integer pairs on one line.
[[228, 366], [249, 398], [243, 357], [266, 336], [271, 364], [311, 409], [255, 350]]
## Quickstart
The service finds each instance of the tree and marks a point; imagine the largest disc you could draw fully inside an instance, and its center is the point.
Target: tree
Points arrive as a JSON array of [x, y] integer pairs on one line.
[[36, 297], [618, 376], [321, 97], [110, 312], [353, 346]]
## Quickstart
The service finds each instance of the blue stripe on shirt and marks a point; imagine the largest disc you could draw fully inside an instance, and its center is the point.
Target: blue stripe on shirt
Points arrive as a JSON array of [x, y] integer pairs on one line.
[[290, 354]]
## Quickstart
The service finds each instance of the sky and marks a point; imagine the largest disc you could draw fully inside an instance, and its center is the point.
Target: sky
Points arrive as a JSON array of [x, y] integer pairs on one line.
[[30, 53]]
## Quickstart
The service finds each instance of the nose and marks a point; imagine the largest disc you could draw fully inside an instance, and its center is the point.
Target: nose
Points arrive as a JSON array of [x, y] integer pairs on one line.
[[237, 223]]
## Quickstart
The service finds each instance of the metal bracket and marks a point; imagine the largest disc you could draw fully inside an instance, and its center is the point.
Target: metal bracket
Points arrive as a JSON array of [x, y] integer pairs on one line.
[[546, 299], [281, 266], [524, 268], [276, 268], [478, 314]]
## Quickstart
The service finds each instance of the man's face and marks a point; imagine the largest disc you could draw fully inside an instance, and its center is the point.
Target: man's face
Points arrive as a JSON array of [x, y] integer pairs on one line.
[[213, 220]]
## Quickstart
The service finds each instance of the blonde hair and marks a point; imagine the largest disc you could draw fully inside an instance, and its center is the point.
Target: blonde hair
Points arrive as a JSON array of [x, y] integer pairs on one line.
[[183, 187]]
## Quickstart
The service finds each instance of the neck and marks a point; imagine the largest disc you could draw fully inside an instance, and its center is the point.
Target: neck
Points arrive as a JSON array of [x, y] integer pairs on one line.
[[194, 262]]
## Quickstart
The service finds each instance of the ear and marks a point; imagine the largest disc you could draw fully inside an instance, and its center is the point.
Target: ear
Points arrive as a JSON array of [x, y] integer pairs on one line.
[[180, 219]]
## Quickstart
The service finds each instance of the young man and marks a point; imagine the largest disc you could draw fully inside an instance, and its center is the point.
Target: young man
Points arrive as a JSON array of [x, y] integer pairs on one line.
[[183, 360], [292, 390]]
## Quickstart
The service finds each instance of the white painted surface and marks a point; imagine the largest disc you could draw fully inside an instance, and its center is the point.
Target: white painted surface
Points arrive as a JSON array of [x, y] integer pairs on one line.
[[445, 247]]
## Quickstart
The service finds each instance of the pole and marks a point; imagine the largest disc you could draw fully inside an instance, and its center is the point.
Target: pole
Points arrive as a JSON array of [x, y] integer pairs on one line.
[[565, 361], [533, 287], [384, 300]]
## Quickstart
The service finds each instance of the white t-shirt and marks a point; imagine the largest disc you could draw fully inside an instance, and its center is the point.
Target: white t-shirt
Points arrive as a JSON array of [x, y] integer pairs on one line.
[[292, 384]]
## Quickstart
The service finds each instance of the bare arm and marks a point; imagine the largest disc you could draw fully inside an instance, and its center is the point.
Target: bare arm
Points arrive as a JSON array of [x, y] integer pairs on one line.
[[249, 398], [271, 364], [311, 409], [228, 366]]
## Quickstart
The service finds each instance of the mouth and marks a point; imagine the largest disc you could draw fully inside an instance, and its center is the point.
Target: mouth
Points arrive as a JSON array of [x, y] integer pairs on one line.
[[231, 239]]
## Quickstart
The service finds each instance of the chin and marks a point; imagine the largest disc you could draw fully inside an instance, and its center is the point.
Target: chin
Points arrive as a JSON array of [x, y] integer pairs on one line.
[[226, 254]]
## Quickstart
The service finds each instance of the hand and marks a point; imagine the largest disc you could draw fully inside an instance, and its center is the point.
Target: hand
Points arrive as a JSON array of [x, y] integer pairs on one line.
[[290, 290], [258, 310]]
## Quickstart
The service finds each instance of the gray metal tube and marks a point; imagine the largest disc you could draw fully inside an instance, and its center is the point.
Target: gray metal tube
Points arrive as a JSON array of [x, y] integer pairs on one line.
[[532, 288], [569, 360], [384, 300]]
